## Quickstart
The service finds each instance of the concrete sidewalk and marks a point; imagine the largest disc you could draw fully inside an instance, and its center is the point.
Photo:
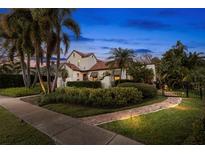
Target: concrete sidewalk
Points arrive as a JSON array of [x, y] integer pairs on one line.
[[61, 128]]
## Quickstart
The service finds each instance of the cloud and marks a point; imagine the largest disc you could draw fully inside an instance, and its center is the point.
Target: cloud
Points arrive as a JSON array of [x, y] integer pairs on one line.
[[106, 48], [142, 51], [147, 24], [123, 41]]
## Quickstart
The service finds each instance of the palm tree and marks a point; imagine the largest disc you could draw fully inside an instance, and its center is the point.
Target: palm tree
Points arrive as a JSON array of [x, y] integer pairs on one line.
[[43, 23], [10, 68], [179, 67], [62, 18], [120, 57], [15, 26]]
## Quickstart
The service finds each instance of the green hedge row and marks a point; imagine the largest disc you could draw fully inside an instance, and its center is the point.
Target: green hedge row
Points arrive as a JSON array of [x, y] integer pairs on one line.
[[112, 97], [122, 81], [148, 91], [15, 80], [85, 84], [10, 80]]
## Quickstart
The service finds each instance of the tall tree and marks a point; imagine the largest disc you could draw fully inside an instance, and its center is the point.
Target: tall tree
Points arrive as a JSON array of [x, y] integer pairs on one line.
[[121, 58], [140, 73], [178, 67], [15, 26], [62, 18]]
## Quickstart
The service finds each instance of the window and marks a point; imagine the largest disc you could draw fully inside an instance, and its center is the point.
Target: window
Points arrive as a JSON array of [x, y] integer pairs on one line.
[[94, 78], [78, 63], [116, 77], [78, 75], [73, 54]]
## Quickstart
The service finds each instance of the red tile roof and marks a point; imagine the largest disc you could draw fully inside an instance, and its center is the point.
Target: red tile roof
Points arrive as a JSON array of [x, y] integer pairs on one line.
[[73, 67], [100, 65], [83, 54]]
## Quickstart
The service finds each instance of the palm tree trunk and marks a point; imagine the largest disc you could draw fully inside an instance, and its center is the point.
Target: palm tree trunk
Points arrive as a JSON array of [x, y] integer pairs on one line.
[[187, 89], [35, 79], [28, 70], [38, 69], [23, 69], [57, 63], [121, 73], [48, 73]]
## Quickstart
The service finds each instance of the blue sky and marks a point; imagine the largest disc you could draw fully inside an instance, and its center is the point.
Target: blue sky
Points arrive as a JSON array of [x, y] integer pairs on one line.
[[151, 31]]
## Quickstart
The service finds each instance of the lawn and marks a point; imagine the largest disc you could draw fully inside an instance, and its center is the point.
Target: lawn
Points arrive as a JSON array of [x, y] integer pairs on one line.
[[170, 126], [20, 91], [14, 131], [83, 111]]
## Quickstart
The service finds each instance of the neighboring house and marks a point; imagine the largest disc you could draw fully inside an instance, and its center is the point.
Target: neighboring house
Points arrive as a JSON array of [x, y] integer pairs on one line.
[[86, 66]]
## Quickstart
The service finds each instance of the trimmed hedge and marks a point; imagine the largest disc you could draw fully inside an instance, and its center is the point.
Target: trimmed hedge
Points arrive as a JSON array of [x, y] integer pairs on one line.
[[113, 97], [148, 91], [10, 80], [16, 80], [85, 84], [122, 81]]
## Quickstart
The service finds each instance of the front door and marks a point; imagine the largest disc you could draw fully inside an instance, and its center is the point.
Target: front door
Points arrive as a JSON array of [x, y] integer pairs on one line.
[[85, 77]]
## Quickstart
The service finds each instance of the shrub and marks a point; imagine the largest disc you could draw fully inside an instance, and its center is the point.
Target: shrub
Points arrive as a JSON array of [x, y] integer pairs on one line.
[[20, 91], [113, 97], [122, 81], [10, 80], [85, 84], [148, 91]]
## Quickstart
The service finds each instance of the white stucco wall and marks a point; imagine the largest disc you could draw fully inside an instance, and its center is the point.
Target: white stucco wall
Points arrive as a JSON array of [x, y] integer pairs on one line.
[[87, 62], [152, 66], [83, 63]]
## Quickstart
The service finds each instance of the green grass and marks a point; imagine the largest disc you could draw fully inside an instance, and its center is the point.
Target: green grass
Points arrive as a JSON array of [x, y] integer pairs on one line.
[[13, 131], [19, 91], [170, 126], [83, 111]]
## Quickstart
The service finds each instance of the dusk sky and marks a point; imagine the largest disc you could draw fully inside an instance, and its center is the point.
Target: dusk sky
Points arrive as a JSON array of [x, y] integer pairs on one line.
[[151, 31]]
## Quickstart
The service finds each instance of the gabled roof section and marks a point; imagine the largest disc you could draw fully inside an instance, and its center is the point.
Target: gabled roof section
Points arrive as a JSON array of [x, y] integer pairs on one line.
[[100, 65], [73, 67], [83, 55]]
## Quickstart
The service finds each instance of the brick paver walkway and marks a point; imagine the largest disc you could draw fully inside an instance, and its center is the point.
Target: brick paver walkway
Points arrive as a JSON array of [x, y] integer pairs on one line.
[[125, 114], [61, 128]]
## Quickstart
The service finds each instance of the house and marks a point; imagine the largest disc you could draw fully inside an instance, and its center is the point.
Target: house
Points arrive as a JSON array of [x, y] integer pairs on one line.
[[86, 66]]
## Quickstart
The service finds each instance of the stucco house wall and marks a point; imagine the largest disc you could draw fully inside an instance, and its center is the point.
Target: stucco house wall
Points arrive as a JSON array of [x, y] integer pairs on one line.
[[80, 66], [84, 63], [152, 66]]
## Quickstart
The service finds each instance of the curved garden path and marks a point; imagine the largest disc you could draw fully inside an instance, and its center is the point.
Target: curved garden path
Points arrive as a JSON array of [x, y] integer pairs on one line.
[[125, 114]]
